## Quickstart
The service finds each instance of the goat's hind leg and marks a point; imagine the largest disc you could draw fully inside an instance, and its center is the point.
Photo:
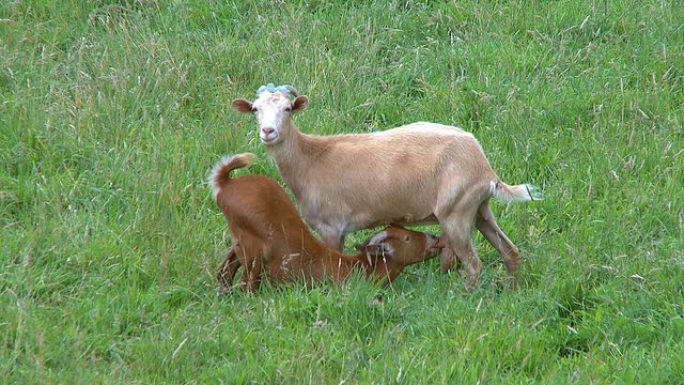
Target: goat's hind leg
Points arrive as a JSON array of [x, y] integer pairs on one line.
[[252, 272], [487, 225], [458, 230], [251, 277], [226, 272]]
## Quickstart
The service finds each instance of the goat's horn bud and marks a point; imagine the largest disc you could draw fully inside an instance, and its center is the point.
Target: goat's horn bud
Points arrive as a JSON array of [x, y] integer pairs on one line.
[[292, 90]]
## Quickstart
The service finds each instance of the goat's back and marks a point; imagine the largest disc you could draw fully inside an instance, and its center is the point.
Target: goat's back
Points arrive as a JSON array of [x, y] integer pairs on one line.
[[257, 208], [257, 201], [391, 176]]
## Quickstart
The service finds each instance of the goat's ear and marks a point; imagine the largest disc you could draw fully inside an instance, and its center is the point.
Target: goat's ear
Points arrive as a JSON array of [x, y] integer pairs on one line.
[[242, 105], [378, 238], [378, 250], [300, 103]]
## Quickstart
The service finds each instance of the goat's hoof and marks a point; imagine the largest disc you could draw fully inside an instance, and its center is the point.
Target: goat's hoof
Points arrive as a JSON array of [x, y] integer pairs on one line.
[[471, 284], [376, 301], [222, 289]]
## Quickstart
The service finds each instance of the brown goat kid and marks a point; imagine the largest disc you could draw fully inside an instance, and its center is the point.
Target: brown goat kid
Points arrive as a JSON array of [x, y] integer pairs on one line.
[[271, 240]]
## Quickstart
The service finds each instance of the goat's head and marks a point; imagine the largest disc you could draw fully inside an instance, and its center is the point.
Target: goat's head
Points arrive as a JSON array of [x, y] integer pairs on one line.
[[272, 108], [400, 246]]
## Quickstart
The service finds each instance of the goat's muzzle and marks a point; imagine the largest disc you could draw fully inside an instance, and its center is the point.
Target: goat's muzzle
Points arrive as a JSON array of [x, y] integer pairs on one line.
[[268, 135]]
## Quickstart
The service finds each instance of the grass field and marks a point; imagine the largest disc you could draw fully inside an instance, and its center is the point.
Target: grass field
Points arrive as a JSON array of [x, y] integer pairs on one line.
[[112, 114]]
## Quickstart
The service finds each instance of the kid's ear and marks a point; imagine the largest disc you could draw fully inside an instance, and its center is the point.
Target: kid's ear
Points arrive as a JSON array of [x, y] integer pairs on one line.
[[242, 105], [300, 103], [378, 250]]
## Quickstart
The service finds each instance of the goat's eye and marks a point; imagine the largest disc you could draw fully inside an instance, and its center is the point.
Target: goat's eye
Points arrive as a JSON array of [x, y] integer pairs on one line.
[[407, 238], [288, 109]]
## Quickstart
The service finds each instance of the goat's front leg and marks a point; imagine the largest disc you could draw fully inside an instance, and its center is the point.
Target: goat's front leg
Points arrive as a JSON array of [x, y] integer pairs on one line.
[[449, 260], [458, 227], [332, 237]]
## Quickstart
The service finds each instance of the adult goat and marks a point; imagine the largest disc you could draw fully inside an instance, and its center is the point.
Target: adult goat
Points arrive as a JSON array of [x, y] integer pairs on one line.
[[419, 173]]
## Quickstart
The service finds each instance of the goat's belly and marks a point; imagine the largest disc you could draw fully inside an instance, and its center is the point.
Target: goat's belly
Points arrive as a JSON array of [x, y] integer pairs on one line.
[[349, 213], [406, 220], [364, 220]]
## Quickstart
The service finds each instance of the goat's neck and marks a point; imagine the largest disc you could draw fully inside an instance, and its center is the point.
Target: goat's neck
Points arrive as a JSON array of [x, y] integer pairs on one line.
[[379, 270], [335, 258], [291, 156], [360, 260], [344, 264]]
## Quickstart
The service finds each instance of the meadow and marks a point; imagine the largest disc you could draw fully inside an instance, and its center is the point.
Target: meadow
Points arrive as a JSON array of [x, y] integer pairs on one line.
[[112, 113]]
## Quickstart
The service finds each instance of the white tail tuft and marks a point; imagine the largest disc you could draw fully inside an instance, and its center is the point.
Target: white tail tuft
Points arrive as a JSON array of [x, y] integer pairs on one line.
[[220, 173], [517, 193]]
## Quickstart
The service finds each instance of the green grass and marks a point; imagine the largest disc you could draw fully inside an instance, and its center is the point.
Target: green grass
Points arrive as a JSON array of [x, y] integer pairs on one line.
[[112, 114]]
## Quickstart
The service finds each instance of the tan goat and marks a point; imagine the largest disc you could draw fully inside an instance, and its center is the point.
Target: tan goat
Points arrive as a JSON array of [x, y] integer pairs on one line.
[[420, 173], [270, 239]]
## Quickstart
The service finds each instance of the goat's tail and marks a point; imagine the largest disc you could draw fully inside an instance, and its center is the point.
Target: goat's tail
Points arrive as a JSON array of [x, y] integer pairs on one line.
[[220, 174], [517, 193]]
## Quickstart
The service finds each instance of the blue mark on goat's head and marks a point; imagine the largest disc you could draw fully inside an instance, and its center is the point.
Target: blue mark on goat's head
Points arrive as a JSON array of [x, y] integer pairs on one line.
[[272, 88]]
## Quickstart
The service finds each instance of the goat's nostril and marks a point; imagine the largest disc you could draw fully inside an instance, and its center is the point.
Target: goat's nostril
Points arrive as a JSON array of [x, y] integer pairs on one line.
[[267, 130]]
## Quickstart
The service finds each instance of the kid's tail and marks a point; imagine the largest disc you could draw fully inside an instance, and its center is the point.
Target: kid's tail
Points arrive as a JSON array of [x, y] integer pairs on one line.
[[220, 174]]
